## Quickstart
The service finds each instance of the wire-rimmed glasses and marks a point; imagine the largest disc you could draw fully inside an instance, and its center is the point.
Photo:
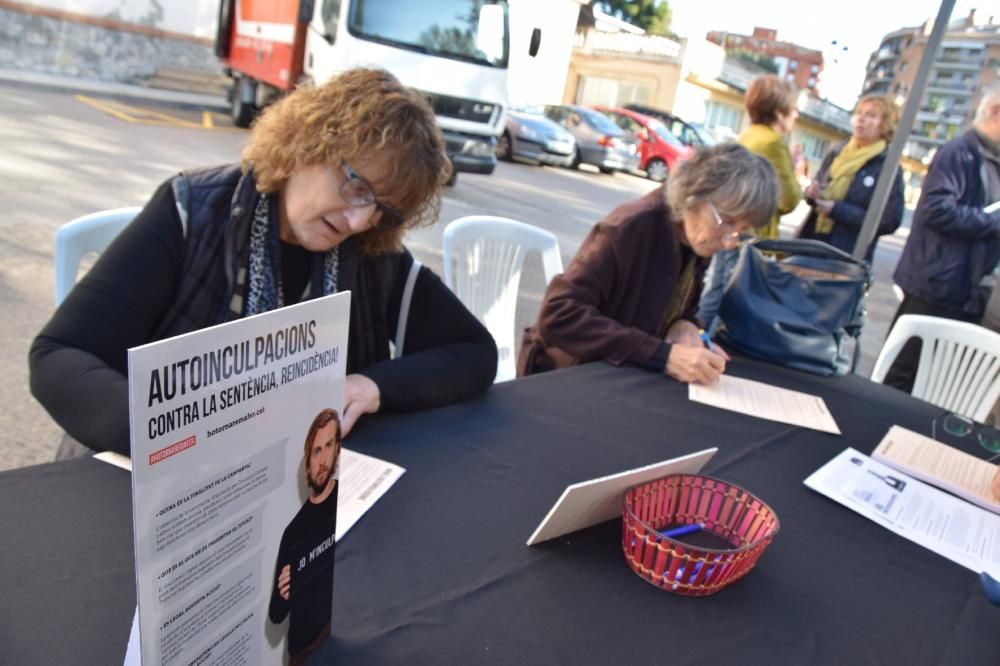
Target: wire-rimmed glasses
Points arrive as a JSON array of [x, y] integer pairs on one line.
[[961, 426], [730, 234]]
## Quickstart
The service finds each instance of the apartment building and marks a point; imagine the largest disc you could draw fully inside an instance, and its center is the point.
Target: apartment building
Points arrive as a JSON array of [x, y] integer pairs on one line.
[[795, 63], [968, 60]]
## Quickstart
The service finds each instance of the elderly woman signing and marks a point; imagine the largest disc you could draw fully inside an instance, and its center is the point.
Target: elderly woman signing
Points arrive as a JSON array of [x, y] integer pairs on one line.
[[630, 294]]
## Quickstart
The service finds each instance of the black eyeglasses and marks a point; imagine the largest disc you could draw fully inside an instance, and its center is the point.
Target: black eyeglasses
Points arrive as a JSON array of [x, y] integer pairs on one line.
[[356, 191], [961, 426]]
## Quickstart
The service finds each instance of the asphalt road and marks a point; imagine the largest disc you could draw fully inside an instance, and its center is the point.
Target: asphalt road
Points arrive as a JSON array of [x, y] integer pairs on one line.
[[66, 155]]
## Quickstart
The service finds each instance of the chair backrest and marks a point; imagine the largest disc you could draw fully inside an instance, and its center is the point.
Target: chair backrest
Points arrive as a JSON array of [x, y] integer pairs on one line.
[[959, 367], [483, 256], [76, 239]]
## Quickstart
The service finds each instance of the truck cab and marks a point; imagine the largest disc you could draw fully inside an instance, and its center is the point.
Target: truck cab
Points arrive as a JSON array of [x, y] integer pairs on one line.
[[453, 51]]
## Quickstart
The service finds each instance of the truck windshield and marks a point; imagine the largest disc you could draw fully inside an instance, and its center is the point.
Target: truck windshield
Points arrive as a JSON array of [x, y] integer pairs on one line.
[[459, 29]]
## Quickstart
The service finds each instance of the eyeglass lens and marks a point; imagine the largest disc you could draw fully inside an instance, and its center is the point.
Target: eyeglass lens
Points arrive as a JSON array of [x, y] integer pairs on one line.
[[355, 190], [960, 426]]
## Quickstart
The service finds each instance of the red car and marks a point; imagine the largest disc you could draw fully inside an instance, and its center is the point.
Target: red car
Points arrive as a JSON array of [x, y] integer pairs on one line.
[[659, 149]]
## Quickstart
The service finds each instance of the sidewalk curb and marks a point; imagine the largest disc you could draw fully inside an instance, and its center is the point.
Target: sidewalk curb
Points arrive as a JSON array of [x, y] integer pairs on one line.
[[111, 88]]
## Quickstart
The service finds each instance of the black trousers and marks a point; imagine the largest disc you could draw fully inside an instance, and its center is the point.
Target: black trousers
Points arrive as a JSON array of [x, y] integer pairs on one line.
[[903, 370]]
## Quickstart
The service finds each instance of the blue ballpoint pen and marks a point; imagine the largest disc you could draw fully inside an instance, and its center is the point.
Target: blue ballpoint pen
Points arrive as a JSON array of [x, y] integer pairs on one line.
[[707, 340], [682, 530]]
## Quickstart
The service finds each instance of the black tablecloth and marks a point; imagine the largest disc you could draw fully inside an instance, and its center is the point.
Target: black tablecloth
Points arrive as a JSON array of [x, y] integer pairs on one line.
[[437, 572]]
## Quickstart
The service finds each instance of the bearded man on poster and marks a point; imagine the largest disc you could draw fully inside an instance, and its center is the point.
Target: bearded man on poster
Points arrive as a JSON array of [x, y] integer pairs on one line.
[[303, 576]]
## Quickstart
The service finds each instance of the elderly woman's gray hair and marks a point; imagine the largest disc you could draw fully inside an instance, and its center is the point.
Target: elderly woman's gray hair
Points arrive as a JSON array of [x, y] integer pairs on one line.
[[738, 183]]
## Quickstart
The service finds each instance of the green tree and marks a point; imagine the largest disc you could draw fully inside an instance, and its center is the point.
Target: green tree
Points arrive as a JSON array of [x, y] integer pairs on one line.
[[653, 16]]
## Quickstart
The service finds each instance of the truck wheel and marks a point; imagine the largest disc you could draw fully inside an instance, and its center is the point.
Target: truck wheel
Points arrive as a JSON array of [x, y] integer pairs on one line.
[[657, 170], [243, 112], [504, 148], [607, 170]]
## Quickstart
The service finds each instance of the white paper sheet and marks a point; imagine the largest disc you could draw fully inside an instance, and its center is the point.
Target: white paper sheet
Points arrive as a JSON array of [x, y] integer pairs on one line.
[[363, 481], [765, 401], [598, 500], [946, 525]]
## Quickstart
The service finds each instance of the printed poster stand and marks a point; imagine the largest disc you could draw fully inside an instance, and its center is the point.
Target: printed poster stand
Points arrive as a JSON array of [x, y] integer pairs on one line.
[[235, 485]]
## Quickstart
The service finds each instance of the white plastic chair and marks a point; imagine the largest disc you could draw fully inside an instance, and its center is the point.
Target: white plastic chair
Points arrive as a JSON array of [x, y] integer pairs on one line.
[[483, 256], [959, 367], [79, 237]]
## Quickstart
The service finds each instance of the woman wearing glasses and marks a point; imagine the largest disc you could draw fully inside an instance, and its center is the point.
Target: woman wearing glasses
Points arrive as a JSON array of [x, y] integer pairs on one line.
[[329, 182], [629, 295]]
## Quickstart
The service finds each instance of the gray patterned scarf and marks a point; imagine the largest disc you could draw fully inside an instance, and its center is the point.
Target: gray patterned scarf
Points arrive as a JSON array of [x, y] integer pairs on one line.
[[258, 284]]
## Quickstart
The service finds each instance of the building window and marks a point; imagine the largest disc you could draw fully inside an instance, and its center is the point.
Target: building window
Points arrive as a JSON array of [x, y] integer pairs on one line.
[[722, 115], [813, 146], [793, 65], [597, 91], [814, 69], [812, 82]]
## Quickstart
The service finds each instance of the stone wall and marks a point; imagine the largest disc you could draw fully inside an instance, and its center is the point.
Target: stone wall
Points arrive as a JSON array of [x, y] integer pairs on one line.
[[80, 46]]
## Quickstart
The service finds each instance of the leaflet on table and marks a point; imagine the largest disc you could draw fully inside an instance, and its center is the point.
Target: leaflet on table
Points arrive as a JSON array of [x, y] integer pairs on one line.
[[765, 401], [234, 482], [951, 527], [940, 465]]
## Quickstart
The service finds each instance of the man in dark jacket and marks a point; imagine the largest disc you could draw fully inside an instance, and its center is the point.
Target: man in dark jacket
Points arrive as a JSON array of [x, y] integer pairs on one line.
[[948, 265]]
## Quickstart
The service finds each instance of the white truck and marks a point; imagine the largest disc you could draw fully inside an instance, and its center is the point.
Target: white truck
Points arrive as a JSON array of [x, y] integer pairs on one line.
[[456, 52]]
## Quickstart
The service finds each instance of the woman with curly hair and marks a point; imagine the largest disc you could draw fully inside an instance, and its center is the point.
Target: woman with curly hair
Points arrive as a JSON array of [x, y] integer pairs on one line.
[[330, 181]]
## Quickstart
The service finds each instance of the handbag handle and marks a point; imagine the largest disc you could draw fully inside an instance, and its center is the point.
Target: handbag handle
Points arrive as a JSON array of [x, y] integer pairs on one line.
[[807, 247]]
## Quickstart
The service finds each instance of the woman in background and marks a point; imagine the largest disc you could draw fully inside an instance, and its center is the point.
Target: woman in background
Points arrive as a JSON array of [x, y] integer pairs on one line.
[[843, 187], [770, 102]]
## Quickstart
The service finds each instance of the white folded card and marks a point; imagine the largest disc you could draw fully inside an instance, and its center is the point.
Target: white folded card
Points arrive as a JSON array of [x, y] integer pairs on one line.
[[598, 500]]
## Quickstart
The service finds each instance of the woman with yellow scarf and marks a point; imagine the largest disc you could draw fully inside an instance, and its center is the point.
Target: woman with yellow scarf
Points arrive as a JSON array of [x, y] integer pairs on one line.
[[842, 190]]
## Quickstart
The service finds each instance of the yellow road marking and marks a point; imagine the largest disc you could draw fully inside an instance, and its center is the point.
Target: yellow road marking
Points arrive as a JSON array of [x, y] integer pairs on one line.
[[106, 108], [140, 115]]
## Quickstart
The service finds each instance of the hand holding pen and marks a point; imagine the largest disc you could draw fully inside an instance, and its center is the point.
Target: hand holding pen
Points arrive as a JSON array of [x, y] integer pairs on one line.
[[700, 364], [711, 346]]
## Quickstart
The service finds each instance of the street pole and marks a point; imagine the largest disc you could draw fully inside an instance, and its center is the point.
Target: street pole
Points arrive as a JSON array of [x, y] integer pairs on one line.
[[885, 178]]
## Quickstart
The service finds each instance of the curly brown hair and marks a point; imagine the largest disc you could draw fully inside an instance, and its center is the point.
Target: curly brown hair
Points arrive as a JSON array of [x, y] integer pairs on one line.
[[358, 116]]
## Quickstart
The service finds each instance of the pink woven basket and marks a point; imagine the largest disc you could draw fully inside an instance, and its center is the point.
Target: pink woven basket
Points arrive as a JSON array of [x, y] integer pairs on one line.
[[724, 509]]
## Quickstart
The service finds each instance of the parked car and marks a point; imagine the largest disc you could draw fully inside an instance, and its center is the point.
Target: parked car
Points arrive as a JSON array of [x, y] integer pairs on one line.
[[659, 150], [690, 134], [532, 137], [598, 140]]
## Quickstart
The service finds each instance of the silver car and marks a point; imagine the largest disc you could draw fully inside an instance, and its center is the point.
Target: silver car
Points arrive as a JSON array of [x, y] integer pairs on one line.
[[599, 141], [532, 137]]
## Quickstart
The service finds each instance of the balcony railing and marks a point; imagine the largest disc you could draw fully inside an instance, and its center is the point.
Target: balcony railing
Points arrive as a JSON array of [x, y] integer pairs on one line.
[[825, 112], [626, 43]]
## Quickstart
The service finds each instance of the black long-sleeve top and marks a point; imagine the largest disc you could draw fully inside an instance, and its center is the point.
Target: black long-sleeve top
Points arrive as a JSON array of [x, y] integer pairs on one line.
[[78, 361]]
